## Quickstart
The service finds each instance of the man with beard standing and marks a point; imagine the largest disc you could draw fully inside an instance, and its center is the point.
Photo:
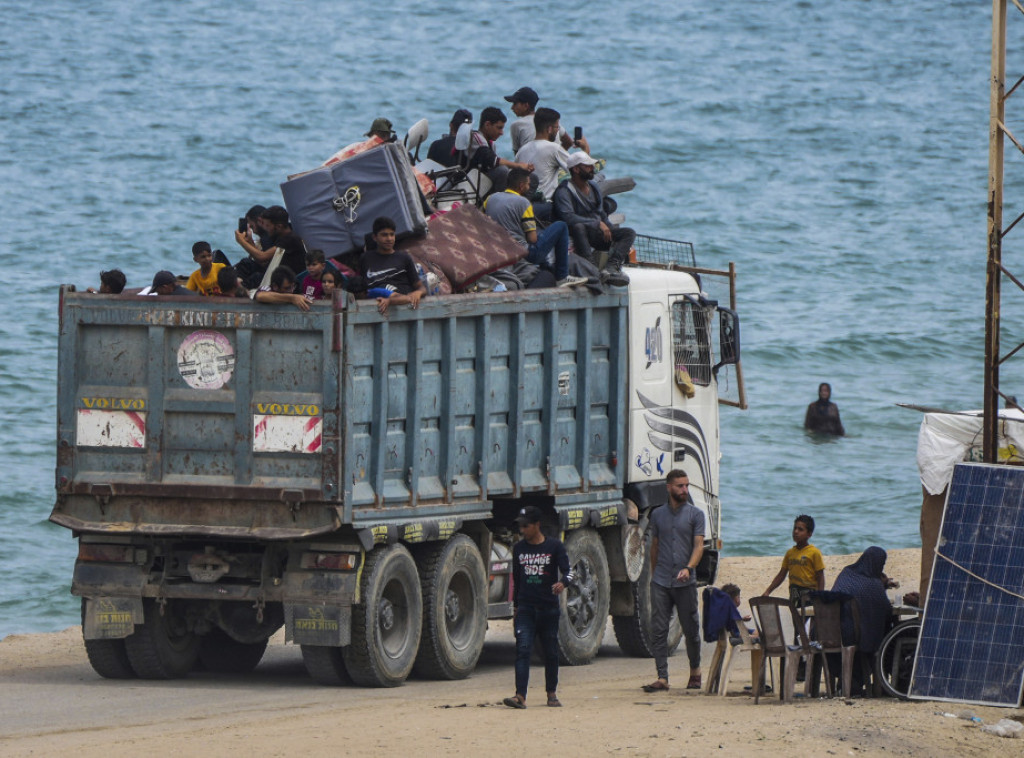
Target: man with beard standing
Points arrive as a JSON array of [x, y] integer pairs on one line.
[[677, 544]]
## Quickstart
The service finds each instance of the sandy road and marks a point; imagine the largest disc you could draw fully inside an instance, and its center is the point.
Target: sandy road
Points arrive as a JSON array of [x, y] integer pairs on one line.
[[51, 702]]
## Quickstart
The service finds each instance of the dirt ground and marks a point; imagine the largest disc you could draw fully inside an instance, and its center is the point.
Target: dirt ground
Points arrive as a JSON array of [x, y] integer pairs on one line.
[[52, 703]]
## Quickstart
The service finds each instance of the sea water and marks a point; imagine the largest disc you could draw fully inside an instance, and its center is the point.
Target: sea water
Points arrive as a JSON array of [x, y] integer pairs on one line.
[[835, 152]]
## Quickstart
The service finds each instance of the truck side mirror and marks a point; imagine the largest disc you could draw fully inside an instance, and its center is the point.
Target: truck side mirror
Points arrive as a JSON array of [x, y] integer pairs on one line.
[[728, 337]]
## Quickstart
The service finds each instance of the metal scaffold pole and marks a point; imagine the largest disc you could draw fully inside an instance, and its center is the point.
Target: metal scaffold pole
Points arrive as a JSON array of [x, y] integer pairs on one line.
[[997, 128]]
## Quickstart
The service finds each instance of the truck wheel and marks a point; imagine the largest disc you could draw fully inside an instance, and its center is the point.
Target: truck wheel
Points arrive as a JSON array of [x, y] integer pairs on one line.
[[454, 609], [633, 633], [222, 654], [162, 647], [107, 657], [325, 665], [581, 625], [386, 624]]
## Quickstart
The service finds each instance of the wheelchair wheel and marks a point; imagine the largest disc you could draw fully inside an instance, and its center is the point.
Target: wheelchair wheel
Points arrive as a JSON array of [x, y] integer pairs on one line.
[[894, 660]]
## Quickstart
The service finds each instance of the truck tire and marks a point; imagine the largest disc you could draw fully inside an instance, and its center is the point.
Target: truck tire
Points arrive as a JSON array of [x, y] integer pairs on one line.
[[107, 657], [220, 653], [633, 633], [454, 587], [585, 615], [386, 624], [162, 647], [325, 665]]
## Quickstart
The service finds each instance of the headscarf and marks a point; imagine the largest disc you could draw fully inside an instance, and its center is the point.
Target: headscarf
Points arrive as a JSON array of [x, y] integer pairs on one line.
[[863, 580]]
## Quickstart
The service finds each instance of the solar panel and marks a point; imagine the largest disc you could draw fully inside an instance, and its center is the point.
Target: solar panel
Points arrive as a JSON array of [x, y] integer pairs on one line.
[[971, 648]]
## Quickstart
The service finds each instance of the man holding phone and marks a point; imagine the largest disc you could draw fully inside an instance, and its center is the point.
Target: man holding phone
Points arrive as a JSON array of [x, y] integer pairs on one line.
[[546, 155]]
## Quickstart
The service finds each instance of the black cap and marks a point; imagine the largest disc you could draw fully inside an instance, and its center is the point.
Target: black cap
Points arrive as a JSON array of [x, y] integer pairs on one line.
[[523, 95], [163, 278], [531, 514], [460, 117]]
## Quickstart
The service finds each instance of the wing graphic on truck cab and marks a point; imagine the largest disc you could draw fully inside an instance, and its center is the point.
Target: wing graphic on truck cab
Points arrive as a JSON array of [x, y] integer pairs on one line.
[[672, 429]]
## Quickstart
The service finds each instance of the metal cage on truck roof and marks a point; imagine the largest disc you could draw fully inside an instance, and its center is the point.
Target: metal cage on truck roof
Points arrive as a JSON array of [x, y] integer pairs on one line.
[[664, 251]]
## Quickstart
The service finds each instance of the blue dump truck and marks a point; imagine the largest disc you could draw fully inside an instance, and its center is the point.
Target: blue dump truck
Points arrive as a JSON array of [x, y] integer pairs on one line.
[[231, 467]]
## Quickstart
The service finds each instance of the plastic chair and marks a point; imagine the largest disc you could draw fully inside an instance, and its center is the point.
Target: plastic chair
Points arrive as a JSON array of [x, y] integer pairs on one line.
[[460, 182], [768, 614], [747, 644], [828, 632]]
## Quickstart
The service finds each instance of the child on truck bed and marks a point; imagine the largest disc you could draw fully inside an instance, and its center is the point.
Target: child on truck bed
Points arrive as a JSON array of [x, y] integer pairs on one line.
[[390, 274], [204, 279], [111, 282]]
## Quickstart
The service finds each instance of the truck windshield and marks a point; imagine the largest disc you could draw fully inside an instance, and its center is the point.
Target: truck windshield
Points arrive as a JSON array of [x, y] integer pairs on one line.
[[691, 340]]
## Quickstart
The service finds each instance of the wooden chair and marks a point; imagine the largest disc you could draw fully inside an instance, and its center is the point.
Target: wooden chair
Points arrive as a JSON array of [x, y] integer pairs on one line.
[[768, 614], [713, 672]]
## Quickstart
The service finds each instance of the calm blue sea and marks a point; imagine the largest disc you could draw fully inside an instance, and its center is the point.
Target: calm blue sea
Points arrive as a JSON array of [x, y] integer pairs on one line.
[[837, 152]]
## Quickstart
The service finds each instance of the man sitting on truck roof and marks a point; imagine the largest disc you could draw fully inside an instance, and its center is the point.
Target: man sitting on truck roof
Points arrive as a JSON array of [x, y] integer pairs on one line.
[[515, 214], [281, 290], [545, 153], [481, 155], [580, 204], [523, 130]]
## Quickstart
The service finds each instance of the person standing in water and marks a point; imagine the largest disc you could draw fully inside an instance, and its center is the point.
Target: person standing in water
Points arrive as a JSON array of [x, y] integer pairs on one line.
[[823, 415]]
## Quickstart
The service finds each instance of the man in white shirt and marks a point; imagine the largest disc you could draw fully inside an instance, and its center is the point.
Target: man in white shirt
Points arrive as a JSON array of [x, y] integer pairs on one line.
[[547, 156]]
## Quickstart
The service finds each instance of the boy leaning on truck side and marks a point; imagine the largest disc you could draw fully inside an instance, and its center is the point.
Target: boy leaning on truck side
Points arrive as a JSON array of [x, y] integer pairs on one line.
[[390, 274]]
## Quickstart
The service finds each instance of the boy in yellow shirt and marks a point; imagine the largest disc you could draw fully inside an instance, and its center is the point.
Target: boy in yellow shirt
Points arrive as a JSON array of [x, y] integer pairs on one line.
[[803, 563], [204, 279]]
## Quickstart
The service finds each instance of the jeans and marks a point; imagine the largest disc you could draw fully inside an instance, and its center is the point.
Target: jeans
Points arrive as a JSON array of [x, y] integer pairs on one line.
[[555, 237], [684, 599], [586, 239], [531, 621]]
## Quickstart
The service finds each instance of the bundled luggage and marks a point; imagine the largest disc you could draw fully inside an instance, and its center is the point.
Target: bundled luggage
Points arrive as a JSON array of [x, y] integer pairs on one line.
[[333, 207]]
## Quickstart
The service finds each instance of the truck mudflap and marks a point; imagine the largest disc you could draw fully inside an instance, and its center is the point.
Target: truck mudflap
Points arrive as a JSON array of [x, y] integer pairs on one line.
[[321, 625], [156, 517], [111, 618], [93, 580]]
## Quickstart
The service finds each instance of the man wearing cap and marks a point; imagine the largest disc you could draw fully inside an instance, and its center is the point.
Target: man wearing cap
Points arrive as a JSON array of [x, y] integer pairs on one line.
[[165, 284], [546, 155], [579, 203], [524, 101], [278, 230], [442, 150], [537, 562], [381, 127]]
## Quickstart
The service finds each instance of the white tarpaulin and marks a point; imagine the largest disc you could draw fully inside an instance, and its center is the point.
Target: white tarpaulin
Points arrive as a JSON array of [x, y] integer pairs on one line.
[[946, 439]]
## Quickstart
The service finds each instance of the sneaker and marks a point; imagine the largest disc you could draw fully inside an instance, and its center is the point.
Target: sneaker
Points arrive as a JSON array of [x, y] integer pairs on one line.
[[572, 281]]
